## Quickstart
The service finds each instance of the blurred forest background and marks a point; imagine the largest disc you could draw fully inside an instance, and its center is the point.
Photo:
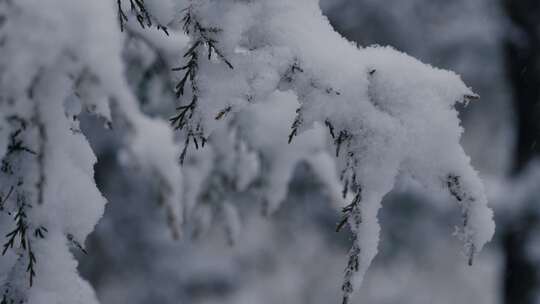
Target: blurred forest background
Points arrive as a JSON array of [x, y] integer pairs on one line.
[[295, 256]]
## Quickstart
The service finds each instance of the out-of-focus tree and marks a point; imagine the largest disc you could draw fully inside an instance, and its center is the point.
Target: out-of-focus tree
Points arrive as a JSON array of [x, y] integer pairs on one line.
[[522, 58]]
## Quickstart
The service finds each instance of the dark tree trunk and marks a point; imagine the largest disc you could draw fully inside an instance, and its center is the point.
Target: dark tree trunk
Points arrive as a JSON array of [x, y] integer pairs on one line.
[[522, 52], [522, 47], [521, 272]]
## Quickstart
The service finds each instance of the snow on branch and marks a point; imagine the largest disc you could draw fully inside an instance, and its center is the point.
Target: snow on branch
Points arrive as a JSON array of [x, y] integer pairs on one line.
[[387, 114], [62, 58], [203, 40], [261, 85]]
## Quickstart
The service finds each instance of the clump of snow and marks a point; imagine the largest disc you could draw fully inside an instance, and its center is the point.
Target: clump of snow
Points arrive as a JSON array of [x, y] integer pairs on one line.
[[388, 114], [60, 58]]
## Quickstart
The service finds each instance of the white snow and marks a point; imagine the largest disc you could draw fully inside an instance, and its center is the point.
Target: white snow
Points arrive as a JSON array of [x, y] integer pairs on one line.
[[389, 114]]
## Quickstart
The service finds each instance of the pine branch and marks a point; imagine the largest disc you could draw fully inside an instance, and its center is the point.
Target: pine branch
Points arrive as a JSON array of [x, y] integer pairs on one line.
[[17, 145], [352, 216], [343, 137], [297, 123], [30, 269], [290, 76], [464, 200], [195, 137], [204, 40], [20, 233], [350, 210], [42, 139], [143, 16], [223, 112], [76, 243], [328, 124], [3, 200]]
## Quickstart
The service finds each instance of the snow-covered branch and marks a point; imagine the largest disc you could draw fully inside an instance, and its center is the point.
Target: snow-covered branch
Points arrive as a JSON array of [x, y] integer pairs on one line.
[[261, 86]]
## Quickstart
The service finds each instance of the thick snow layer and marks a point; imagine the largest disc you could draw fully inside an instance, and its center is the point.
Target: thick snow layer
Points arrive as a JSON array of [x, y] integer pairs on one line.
[[63, 56], [262, 86], [389, 114]]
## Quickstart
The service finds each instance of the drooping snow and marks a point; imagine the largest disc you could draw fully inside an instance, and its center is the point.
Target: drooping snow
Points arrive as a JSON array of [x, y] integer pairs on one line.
[[278, 87]]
